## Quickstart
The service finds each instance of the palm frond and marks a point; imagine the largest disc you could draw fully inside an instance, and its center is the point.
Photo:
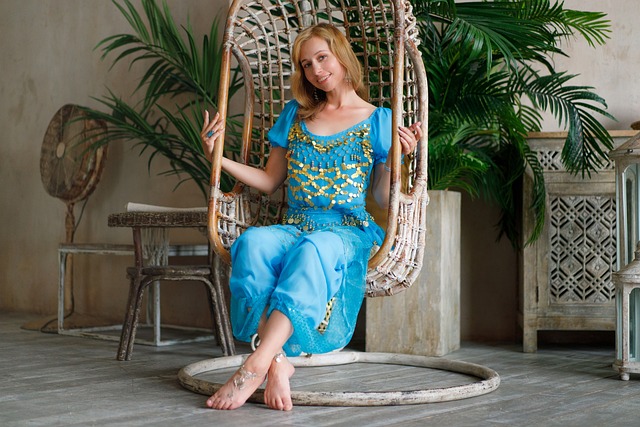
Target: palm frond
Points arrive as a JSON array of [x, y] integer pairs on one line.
[[587, 140], [483, 60], [451, 164], [538, 193], [178, 69]]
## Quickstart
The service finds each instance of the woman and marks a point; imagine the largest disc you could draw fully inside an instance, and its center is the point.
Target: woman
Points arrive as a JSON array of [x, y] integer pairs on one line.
[[300, 285]]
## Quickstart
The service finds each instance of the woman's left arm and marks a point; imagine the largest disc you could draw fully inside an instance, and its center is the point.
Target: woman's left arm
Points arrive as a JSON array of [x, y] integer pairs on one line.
[[409, 137]]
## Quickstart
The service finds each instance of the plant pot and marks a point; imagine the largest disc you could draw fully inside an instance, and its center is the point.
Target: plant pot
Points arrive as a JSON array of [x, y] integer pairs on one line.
[[425, 319]]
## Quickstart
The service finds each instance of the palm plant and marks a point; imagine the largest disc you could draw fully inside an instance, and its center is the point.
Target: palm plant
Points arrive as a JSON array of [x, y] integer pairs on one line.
[[484, 59], [180, 81]]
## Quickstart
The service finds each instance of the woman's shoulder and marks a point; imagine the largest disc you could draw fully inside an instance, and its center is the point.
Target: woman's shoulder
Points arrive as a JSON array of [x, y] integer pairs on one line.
[[289, 113], [290, 108], [381, 117], [383, 111], [381, 122], [278, 133], [292, 103]]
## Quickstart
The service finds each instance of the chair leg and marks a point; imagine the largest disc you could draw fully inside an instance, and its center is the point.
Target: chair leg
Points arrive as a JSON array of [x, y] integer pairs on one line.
[[219, 312], [144, 284], [221, 323], [129, 327], [224, 322], [225, 325], [214, 319], [128, 319]]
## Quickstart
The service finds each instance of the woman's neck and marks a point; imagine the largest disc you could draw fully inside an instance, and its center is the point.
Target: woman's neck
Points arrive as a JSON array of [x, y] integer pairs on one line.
[[341, 111], [338, 99]]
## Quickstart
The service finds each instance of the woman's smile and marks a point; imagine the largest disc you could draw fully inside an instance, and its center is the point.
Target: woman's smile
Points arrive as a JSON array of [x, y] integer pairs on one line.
[[323, 78]]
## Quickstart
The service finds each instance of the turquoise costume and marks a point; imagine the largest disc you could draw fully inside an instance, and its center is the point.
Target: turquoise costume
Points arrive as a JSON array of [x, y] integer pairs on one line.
[[312, 267]]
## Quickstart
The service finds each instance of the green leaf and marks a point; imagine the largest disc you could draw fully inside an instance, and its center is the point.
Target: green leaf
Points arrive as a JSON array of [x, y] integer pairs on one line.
[[491, 77], [177, 67]]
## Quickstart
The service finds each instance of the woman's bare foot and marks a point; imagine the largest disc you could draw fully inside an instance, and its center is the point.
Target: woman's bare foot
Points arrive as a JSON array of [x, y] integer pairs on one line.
[[235, 392], [277, 393]]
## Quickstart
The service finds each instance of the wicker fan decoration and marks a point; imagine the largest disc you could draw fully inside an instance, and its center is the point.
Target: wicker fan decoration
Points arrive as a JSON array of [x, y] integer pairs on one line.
[[69, 167]]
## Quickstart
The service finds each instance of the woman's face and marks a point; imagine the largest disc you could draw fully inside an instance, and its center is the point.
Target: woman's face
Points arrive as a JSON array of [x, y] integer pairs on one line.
[[320, 66]]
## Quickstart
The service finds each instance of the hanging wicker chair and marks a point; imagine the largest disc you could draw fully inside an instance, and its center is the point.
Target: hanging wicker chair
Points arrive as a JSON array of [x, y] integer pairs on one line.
[[259, 36]]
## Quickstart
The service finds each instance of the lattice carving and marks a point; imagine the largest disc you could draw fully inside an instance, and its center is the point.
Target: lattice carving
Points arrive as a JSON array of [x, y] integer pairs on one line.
[[551, 160], [582, 237]]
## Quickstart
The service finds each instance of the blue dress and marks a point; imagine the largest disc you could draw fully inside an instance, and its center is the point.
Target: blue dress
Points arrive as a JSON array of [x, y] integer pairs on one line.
[[312, 267]]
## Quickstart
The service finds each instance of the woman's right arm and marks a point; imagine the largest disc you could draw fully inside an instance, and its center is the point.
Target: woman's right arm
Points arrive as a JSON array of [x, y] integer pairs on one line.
[[266, 180]]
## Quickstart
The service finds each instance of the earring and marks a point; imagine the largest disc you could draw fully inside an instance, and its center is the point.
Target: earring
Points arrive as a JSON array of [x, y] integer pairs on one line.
[[315, 95], [347, 79]]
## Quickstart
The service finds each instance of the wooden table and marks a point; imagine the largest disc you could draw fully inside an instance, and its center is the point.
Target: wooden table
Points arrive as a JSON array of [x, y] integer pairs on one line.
[[151, 247]]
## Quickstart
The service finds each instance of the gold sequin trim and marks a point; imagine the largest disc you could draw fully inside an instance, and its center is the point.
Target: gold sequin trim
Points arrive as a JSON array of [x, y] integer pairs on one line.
[[341, 179], [325, 322], [322, 146], [306, 223]]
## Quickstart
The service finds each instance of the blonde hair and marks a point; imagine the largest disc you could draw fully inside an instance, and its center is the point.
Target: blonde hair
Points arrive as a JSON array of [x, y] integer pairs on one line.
[[303, 91]]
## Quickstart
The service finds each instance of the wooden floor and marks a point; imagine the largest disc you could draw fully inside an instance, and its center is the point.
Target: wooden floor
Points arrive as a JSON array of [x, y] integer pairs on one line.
[[53, 380]]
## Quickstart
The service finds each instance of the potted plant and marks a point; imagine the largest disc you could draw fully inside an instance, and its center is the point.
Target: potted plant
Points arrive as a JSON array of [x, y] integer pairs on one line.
[[483, 60]]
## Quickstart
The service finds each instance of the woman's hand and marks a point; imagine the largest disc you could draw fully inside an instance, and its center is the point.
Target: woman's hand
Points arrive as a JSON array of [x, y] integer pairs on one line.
[[211, 130], [409, 137], [266, 180]]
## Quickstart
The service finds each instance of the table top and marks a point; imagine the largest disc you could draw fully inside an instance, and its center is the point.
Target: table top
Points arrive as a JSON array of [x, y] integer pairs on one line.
[[158, 219]]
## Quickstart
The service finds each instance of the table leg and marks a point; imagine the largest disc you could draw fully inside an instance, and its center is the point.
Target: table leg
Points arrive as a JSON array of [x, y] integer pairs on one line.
[[62, 259], [155, 251]]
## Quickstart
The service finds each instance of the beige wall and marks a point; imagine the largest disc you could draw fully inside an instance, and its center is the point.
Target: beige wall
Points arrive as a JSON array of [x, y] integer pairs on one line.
[[611, 69], [47, 61]]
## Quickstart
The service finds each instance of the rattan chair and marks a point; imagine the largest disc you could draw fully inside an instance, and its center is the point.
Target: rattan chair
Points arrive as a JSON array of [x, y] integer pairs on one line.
[[258, 36]]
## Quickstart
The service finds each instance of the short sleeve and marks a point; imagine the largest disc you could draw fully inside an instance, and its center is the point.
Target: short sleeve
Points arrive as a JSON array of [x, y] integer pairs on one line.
[[278, 135], [381, 135]]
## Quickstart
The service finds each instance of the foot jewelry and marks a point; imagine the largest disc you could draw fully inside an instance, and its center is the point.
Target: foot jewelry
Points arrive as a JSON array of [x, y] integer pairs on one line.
[[255, 341], [240, 379]]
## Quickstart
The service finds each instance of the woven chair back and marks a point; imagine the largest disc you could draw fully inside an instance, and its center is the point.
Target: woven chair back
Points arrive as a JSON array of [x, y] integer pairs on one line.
[[258, 41]]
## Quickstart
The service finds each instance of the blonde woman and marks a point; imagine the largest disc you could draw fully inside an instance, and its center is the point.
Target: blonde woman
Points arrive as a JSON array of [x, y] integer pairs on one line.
[[299, 285]]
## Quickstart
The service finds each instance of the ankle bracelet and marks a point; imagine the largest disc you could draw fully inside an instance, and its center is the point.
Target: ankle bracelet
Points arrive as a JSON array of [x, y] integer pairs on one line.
[[255, 341]]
